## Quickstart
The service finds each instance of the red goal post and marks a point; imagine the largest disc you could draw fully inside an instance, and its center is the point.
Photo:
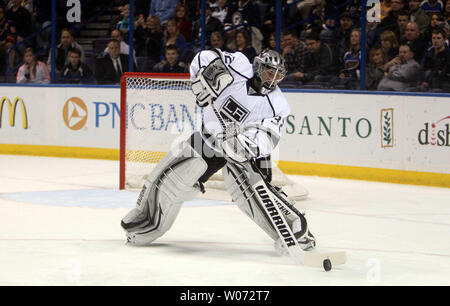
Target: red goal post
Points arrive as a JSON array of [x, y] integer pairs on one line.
[[140, 81]]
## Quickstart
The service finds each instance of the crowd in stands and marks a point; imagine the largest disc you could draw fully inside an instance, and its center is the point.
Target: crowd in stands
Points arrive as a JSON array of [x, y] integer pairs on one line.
[[406, 45]]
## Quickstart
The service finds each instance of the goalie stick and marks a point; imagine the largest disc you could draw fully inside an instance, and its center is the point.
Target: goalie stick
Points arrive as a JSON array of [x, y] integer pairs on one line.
[[276, 211]]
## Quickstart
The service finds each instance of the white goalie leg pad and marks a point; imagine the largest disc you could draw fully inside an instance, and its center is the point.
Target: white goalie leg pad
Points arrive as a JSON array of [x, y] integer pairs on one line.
[[248, 189], [243, 195], [171, 183]]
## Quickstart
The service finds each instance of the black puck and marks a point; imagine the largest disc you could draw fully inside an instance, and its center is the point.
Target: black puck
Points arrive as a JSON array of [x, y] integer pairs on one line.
[[327, 264]]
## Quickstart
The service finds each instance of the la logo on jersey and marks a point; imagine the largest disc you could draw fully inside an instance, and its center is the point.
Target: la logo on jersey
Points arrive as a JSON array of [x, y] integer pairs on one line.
[[231, 110]]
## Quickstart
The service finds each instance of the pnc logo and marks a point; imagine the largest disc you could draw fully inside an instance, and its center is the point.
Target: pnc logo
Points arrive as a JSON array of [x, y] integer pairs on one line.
[[12, 108], [75, 113]]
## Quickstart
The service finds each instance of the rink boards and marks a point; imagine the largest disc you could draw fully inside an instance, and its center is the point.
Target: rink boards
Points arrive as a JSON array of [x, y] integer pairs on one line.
[[395, 138]]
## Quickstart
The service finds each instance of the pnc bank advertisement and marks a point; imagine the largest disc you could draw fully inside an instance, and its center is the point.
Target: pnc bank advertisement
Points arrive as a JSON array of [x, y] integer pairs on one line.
[[393, 132]]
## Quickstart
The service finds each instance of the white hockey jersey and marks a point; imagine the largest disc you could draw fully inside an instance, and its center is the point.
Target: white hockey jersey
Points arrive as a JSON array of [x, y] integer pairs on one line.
[[238, 103]]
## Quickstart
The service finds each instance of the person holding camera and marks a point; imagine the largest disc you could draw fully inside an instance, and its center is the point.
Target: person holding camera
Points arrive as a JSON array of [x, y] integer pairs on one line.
[[32, 70]]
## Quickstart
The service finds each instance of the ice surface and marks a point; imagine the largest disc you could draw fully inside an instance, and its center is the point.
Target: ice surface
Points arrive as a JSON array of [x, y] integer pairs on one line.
[[59, 225]]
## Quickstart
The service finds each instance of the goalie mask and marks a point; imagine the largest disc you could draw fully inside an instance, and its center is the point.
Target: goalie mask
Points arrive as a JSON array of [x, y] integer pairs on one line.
[[269, 69]]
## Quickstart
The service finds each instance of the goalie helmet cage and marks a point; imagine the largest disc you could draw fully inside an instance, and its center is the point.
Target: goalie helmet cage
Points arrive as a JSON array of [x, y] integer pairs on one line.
[[141, 147]]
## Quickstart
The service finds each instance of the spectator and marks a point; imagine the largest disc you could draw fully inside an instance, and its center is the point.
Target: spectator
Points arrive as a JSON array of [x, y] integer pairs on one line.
[[109, 69], [389, 44], [418, 15], [21, 19], [324, 15], [142, 8], [172, 63], [434, 61], [354, 7], [294, 52], [220, 10], [212, 24], [76, 72], [445, 77], [217, 41], [193, 6], [184, 23], [172, 36], [163, 9], [403, 71], [124, 25], [269, 20], [341, 36], [149, 38], [432, 6], [246, 14], [304, 8], [7, 39], [139, 35], [62, 51], [436, 21], [27, 4], [32, 71], [374, 70], [243, 11], [243, 45], [43, 18], [318, 61], [415, 41], [61, 14], [402, 21], [447, 12], [272, 41], [390, 21], [349, 75], [124, 47], [385, 8]]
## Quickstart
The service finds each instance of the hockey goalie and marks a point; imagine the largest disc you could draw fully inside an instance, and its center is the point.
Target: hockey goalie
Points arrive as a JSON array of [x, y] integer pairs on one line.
[[243, 118]]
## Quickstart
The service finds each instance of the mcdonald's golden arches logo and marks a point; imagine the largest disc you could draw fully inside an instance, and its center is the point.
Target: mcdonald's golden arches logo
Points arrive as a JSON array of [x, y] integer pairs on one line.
[[75, 113], [12, 108]]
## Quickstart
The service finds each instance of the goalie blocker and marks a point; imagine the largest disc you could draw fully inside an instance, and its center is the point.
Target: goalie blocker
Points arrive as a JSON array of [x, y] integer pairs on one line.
[[211, 81]]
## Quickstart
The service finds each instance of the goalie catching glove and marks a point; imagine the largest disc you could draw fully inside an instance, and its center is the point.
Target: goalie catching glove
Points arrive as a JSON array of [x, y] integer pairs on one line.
[[211, 81]]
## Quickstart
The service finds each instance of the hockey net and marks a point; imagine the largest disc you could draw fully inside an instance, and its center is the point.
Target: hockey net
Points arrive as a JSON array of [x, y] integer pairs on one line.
[[160, 111]]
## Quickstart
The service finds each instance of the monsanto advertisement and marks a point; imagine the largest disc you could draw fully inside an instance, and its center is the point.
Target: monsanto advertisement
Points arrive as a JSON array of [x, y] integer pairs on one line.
[[380, 131]]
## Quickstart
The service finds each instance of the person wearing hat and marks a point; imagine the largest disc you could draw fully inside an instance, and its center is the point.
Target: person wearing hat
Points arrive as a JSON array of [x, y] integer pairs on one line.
[[342, 36], [418, 15]]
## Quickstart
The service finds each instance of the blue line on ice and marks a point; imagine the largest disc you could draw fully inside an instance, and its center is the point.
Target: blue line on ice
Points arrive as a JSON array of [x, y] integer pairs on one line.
[[91, 198]]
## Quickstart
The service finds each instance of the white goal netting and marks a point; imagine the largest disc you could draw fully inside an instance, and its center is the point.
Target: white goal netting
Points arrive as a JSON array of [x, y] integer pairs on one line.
[[160, 112]]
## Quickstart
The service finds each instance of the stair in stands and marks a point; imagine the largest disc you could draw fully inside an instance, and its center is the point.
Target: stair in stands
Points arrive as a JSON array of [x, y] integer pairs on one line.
[[97, 29]]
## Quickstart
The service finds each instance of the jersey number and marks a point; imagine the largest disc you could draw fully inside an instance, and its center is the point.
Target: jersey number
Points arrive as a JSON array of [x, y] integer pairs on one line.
[[278, 122], [228, 58]]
